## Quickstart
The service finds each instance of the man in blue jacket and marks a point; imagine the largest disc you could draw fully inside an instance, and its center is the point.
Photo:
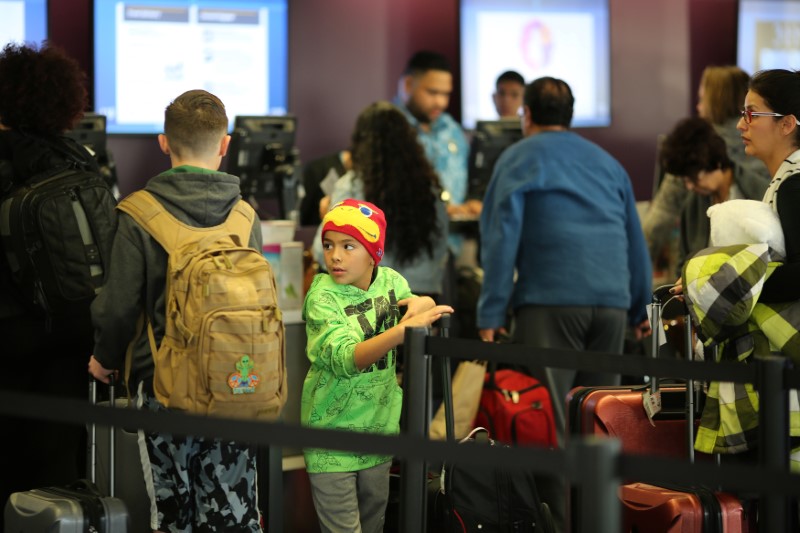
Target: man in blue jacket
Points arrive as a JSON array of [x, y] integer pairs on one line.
[[560, 213]]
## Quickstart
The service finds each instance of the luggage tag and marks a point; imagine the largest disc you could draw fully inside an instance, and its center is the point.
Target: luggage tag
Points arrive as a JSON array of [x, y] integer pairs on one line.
[[652, 404], [662, 338]]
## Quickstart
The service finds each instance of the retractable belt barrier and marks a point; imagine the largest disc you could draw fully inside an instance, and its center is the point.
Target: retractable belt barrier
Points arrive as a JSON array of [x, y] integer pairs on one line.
[[595, 464]]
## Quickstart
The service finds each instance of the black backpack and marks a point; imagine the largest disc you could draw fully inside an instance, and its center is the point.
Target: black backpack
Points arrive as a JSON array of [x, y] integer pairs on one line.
[[484, 498], [57, 228]]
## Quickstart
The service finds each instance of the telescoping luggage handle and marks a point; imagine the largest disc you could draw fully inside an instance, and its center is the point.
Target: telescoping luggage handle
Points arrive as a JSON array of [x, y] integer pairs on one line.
[[652, 398], [111, 433], [447, 388]]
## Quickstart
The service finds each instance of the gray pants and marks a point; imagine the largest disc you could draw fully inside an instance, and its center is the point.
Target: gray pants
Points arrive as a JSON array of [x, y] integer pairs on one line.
[[351, 501], [591, 329]]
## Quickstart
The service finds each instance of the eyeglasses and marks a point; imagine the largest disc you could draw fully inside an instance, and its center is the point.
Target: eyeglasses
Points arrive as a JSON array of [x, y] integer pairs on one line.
[[748, 115]]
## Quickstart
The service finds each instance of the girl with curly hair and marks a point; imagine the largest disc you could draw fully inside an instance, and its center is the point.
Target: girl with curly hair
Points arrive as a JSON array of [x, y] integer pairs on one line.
[[390, 169]]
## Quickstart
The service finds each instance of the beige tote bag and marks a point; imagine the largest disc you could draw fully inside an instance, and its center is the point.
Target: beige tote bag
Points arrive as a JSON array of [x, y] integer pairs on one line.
[[467, 388]]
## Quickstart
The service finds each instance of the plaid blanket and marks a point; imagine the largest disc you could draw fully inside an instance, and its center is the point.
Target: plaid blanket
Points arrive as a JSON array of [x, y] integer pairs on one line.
[[721, 287]]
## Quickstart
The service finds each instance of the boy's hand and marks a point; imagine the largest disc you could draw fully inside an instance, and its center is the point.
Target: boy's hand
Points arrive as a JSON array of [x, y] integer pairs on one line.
[[98, 371], [416, 305], [425, 318]]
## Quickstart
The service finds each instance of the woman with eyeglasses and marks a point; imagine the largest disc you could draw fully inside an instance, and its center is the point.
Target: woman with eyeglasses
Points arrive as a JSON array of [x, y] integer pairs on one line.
[[770, 131]]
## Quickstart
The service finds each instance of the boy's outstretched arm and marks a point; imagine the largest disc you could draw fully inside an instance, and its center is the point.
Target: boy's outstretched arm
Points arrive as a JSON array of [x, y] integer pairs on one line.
[[371, 350]]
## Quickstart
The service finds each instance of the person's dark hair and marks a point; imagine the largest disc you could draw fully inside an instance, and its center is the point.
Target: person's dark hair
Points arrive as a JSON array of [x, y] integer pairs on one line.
[[780, 90], [397, 177], [195, 121], [724, 89], [550, 101], [42, 90], [425, 60], [510, 75], [694, 146]]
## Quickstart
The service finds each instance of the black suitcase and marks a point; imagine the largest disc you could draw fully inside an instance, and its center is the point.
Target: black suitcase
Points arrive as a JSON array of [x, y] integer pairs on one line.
[[79, 507]]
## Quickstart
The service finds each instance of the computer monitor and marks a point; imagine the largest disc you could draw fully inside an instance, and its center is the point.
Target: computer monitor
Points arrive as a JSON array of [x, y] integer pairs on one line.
[[90, 131], [263, 155], [566, 39], [767, 35], [489, 140]]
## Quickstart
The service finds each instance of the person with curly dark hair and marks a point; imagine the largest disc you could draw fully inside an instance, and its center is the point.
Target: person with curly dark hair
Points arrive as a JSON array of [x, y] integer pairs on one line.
[[720, 95], [54, 96], [42, 94], [696, 153], [390, 169]]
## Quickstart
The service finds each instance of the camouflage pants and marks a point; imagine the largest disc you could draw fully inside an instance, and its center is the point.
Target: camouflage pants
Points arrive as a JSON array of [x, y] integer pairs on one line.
[[200, 485]]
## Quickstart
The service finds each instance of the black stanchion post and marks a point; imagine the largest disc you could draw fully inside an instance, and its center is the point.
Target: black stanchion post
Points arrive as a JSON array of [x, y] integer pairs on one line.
[[773, 420], [594, 460], [412, 475], [690, 414], [275, 491]]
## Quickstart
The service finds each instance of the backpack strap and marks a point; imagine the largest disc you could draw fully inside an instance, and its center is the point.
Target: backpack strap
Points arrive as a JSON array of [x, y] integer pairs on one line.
[[240, 221], [153, 217], [171, 233]]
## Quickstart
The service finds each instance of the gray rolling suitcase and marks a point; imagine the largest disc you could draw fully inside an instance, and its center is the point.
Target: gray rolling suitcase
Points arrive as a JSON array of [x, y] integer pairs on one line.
[[129, 480], [78, 507]]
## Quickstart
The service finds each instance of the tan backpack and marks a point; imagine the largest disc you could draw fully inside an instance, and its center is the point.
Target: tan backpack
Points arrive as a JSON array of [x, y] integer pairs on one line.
[[223, 351]]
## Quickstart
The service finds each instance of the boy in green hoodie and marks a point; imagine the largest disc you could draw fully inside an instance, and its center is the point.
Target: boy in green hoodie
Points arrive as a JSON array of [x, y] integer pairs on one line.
[[354, 325]]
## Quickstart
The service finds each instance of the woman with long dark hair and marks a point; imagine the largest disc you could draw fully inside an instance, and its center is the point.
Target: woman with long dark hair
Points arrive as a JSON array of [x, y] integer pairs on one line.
[[390, 170]]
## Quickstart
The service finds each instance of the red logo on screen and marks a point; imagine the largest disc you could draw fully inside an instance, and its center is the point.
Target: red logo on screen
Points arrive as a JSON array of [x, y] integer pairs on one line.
[[537, 44]]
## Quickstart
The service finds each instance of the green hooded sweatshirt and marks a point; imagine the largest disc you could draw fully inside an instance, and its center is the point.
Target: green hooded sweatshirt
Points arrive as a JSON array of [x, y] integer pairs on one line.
[[336, 394]]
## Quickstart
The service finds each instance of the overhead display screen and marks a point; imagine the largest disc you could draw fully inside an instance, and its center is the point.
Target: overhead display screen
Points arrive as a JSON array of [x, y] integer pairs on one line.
[[148, 52], [566, 39]]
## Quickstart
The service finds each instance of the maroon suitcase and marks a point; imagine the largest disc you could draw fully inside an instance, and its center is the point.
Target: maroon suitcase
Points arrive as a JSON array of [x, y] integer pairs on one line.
[[619, 412], [651, 509]]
